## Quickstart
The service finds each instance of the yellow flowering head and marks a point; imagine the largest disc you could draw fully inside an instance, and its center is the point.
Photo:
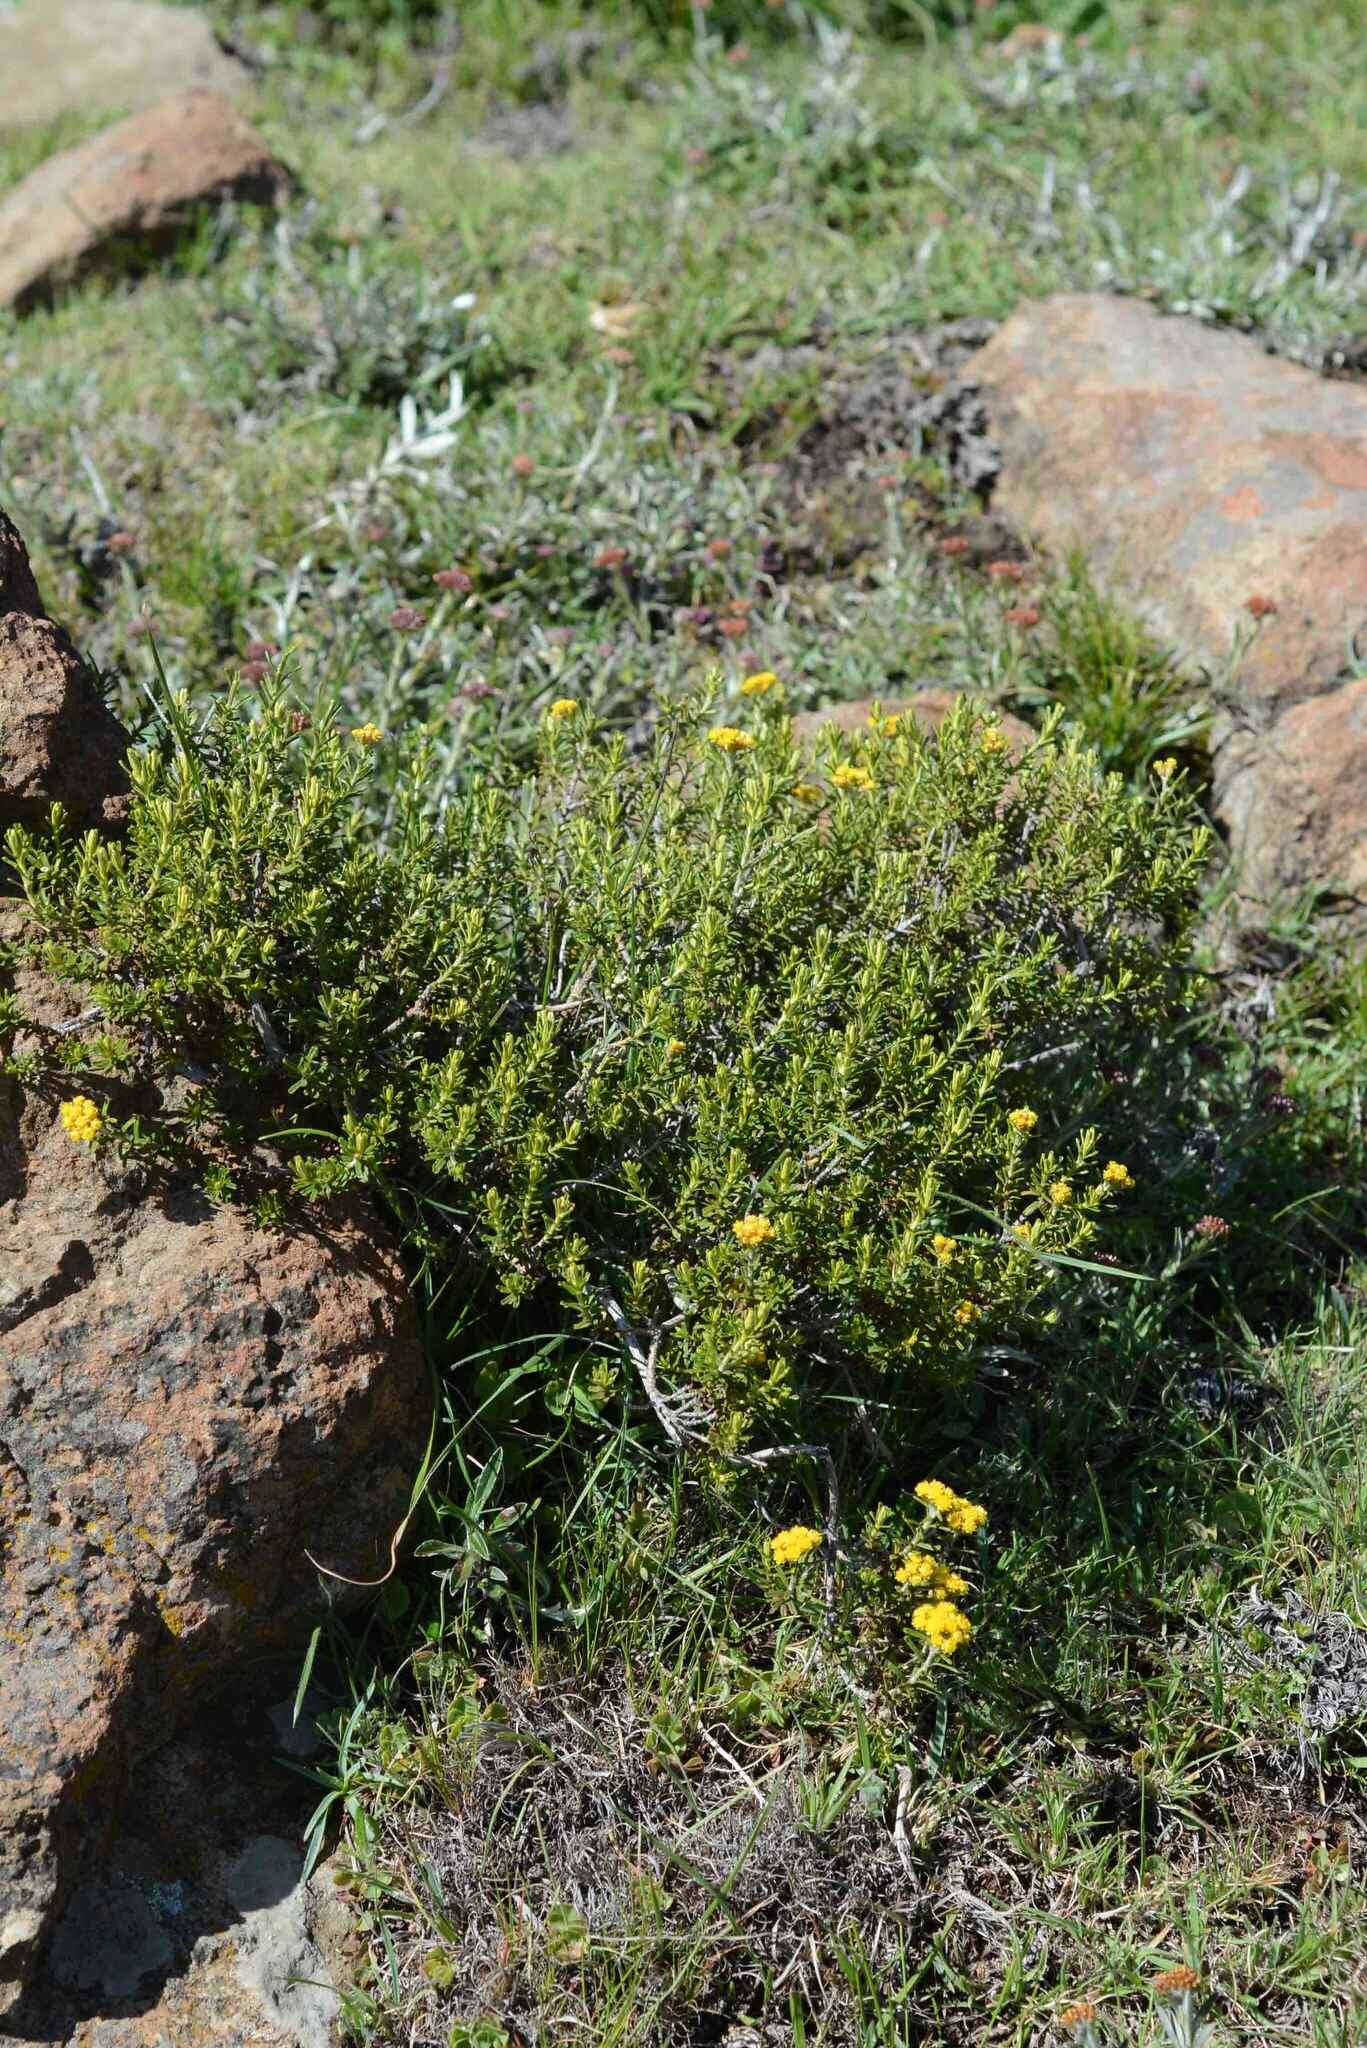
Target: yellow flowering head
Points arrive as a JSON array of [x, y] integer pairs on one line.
[[563, 707], [81, 1120], [1166, 768], [919, 1568], [944, 1248], [965, 1517], [730, 739], [752, 1230], [1116, 1175], [1023, 1120], [756, 685], [936, 1494], [367, 735], [1024, 1231], [675, 1047], [1060, 1193], [790, 1545], [967, 1312], [886, 726], [809, 792], [994, 740], [849, 775], [946, 1625]]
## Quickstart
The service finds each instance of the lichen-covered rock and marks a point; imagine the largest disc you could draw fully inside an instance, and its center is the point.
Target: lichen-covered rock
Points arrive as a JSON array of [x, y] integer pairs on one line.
[[1196, 472], [192, 1411], [59, 741], [1294, 801], [69, 56], [1222, 493], [133, 189]]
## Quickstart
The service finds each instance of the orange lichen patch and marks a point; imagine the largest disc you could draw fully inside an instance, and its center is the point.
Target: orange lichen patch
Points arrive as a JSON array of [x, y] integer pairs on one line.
[[1245, 503]]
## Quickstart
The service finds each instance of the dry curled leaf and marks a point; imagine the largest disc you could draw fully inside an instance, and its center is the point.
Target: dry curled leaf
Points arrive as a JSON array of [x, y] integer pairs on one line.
[[615, 321]]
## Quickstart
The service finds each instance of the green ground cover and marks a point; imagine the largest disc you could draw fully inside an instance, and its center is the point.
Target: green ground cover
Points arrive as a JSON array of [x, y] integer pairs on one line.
[[600, 351]]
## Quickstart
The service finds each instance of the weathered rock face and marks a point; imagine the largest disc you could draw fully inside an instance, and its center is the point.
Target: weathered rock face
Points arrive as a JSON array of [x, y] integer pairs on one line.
[[1294, 799], [1223, 493], [67, 56], [133, 189], [59, 741], [192, 1409]]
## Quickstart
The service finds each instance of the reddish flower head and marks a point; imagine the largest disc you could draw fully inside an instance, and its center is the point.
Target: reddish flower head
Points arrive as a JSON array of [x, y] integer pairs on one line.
[[1007, 572], [406, 618], [1022, 615], [454, 579], [1213, 1227], [522, 465], [609, 558], [954, 544], [1259, 606]]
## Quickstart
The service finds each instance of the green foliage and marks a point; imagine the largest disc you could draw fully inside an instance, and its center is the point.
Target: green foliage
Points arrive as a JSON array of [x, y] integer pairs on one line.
[[318, 313], [717, 1055], [1127, 694]]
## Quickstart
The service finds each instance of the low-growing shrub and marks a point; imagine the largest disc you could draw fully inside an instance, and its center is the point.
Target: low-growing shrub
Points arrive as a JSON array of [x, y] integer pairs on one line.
[[740, 1063], [313, 314]]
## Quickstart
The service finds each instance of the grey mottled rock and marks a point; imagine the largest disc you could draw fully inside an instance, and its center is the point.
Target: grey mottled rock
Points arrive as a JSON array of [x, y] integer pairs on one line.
[[72, 56]]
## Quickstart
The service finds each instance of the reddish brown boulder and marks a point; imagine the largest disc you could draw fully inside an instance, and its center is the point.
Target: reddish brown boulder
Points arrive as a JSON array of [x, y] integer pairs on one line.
[[191, 1409], [131, 190], [1294, 800], [1222, 492], [59, 741]]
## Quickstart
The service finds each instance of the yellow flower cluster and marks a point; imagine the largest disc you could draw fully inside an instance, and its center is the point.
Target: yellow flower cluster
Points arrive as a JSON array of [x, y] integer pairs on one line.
[[1117, 1175], [1166, 767], [886, 726], [947, 1626], [964, 1516], [848, 775], [367, 735], [563, 707], [790, 1545], [944, 1248], [81, 1120], [994, 740], [753, 1230], [730, 739], [967, 1312], [1060, 1193], [674, 1047], [1023, 1119], [919, 1568], [809, 792], [756, 685]]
